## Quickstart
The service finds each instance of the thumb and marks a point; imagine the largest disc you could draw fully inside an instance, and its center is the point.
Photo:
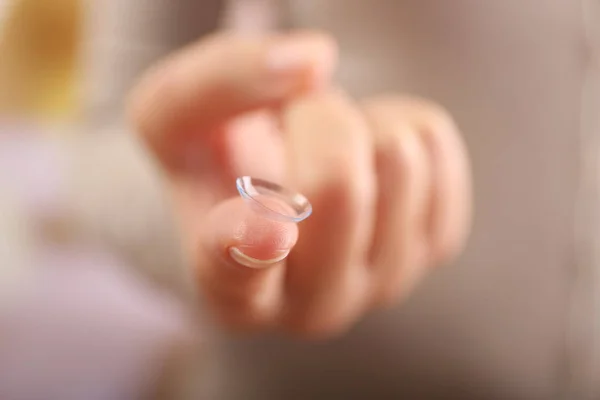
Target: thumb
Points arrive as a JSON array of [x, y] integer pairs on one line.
[[241, 262]]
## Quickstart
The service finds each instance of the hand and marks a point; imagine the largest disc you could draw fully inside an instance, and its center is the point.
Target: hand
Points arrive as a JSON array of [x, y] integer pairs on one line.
[[388, 179]]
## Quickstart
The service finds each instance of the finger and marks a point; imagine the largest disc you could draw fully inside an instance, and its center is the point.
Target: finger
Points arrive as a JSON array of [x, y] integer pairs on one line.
[[221, 77], [404, 178], [241, 261], [450, 201], [330, 159], [451, 198]]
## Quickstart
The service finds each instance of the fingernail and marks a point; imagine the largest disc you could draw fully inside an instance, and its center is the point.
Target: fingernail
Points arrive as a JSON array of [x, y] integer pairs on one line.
[[241, 258], [286, 56]]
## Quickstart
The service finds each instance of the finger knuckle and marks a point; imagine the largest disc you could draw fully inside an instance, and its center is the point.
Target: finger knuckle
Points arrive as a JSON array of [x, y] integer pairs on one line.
[[355, 185], [402, 151], [345, 164], [427, 113], [434, 123], [354, 191], [433, 111]]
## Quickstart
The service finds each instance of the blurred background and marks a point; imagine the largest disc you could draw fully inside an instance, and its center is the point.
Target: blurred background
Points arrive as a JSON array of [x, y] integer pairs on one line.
[[76, 320]]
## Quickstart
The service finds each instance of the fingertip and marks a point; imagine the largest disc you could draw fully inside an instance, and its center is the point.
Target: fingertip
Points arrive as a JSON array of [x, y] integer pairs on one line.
[[258, 259], [249, 238], [311, 54]]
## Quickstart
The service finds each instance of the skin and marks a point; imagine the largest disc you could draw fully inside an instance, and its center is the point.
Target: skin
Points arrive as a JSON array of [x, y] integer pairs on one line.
[[388, 178]]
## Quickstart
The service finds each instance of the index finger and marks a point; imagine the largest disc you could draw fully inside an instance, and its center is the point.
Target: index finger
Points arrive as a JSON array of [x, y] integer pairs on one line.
[[221, 77]]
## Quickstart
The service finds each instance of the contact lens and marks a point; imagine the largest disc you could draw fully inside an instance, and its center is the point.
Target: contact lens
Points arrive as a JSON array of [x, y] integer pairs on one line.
[[273, 200]]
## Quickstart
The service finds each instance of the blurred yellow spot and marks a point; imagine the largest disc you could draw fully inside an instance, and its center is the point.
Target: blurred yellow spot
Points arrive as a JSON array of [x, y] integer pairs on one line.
[[39, 43]]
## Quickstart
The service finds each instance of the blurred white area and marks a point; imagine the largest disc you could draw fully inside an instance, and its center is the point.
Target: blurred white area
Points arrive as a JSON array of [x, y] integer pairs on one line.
[[15, 245], [79, 318], [84, 328]]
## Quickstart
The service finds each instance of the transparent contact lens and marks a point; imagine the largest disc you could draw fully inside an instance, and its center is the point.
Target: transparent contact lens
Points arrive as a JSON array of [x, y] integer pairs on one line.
[[274, 201]]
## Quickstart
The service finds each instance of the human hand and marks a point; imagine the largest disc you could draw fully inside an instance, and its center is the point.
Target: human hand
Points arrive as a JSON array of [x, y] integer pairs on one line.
[[388, 179]]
